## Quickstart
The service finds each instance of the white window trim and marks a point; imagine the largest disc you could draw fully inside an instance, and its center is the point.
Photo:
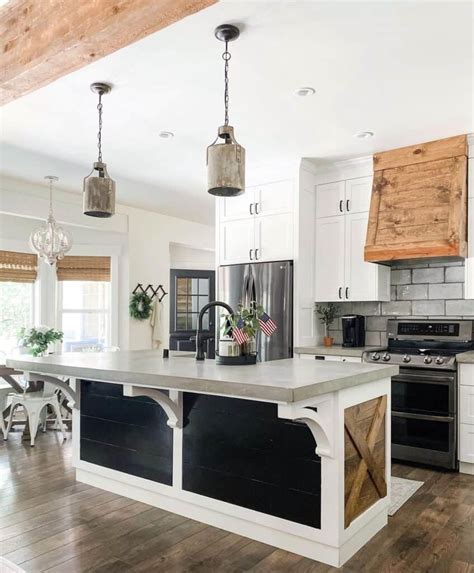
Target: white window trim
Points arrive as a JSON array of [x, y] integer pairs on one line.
[[113, 252]]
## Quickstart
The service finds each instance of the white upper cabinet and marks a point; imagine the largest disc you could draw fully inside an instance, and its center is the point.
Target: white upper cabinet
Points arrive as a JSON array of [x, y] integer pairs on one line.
[[363, 281], [258, 225], [469, 268], [341, 272], [274, 198], [330, 199], [232, 208], [237, 241], [268, 199], [358, 194], [329, 278], [274, 237]]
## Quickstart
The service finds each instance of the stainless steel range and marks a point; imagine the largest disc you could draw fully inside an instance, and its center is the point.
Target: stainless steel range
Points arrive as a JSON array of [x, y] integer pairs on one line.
[[424, 394]]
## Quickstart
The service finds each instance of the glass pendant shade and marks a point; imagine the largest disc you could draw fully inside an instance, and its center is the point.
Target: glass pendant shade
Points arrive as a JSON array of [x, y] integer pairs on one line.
[[226, 165], [51, 242], [99, 192]]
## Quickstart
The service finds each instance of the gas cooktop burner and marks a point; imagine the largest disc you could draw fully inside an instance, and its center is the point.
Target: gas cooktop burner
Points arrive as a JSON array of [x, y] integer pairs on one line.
[[424, 343]]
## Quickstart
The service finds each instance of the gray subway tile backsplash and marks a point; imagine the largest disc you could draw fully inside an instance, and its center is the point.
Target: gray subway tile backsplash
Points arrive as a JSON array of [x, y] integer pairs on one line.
[[422, 290]]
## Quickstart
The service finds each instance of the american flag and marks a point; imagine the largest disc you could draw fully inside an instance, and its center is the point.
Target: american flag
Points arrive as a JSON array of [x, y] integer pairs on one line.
[[238, 334], [266, 324]]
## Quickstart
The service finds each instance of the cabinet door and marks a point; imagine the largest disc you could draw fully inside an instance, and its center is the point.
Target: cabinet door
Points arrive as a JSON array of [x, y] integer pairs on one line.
[[358, 194], [466, 443], [329, 279], [237, 240], [360, 277], [274, 237], [239, 207], [330, 199], [274, 198], [466, 402]]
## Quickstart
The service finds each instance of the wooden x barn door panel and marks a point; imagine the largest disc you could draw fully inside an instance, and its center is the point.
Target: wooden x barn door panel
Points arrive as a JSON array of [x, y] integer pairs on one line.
[[364, 466]]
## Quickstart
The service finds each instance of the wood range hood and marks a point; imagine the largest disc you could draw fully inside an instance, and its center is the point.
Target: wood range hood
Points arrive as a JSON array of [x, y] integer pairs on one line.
[[419, 202]]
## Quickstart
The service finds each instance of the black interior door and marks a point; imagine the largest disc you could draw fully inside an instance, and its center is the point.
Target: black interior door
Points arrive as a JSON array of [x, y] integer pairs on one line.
[[190, 290]]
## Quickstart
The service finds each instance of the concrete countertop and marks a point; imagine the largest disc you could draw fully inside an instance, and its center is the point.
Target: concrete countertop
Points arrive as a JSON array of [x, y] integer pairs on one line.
[[337, 350], [465, 357], [283, 381]]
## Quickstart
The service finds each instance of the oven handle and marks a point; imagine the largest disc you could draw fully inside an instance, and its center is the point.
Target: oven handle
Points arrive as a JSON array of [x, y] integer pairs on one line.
[[423, 378], [426, 417]]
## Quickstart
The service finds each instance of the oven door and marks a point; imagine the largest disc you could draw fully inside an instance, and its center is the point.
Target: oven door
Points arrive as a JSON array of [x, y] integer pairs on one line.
[[424, 427]]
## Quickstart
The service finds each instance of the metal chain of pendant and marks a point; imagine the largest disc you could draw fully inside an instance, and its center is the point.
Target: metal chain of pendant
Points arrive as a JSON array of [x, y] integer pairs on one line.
[[226, 57], [99, 135]]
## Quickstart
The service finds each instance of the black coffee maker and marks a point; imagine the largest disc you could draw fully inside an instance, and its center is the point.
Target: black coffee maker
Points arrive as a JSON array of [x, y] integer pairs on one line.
[[353, 330]]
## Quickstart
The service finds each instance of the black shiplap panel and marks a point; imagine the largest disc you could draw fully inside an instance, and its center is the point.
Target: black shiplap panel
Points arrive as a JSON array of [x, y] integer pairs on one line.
[[125, 434], [240, 452]]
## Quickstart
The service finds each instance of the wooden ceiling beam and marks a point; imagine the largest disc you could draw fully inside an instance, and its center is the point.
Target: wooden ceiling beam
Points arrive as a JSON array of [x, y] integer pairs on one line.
[[43, 40]]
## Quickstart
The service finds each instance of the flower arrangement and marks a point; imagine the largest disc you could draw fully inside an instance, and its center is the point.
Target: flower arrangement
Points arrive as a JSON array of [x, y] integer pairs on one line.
[[327, 315], [245, 319], [38, 338]]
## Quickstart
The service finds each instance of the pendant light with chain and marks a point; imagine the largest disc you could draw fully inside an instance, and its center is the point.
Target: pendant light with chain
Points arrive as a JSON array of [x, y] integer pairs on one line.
[[99, 189], [51, 242], [226, 161]]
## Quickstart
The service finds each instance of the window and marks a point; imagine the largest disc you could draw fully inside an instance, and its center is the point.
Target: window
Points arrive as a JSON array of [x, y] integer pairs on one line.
[[84, 302], [18, 272], [16, 312]]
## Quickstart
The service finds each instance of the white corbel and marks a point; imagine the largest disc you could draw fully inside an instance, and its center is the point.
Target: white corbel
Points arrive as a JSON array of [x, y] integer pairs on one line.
[[72, 396], [319, 420], [170, 407]]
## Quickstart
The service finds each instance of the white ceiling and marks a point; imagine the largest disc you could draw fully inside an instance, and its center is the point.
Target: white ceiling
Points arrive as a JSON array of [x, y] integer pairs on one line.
[[400, 69]]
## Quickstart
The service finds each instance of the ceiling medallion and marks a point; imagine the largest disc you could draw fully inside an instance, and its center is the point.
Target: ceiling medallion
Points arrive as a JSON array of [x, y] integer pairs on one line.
[[226, 161]]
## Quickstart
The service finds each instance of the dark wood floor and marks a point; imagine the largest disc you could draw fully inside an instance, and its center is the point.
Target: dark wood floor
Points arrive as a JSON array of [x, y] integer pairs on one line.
[[48, 522]]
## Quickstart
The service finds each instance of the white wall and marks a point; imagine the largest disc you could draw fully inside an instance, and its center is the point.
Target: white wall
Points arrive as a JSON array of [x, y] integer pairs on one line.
[[140, 238], [183, 257]]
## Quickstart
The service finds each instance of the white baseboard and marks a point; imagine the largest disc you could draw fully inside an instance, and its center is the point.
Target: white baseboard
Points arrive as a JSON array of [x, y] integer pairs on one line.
[[466, 468]]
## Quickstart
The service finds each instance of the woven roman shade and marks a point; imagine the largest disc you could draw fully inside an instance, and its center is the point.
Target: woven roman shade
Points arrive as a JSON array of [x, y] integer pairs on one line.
[[83, 269], [18, 267]]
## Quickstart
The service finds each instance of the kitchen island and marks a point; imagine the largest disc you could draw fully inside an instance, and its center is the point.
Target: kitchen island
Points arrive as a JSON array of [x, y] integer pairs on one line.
[[291, 453]]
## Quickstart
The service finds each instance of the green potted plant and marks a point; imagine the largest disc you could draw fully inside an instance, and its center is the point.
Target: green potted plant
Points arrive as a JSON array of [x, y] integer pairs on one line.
[[37, 339], [327, 314]]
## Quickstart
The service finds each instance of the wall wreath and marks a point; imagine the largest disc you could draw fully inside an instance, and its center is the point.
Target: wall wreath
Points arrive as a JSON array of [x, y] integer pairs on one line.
[[140, 306]]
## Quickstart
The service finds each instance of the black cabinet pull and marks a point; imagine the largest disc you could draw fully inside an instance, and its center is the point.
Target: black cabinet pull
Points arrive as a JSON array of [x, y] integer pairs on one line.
[[347, 205], [256, 209], [340, 292], [347, 292], [256, 254], [250, 254], [250, 208], [341, 203]]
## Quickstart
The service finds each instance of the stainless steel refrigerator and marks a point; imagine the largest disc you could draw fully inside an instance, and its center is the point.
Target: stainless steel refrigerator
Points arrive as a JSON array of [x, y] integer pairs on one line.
[[271, 285]]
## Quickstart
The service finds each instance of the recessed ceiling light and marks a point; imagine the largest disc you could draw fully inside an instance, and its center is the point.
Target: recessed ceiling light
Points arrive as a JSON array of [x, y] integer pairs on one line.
[[166, 134], [304, 91], [364, 134]]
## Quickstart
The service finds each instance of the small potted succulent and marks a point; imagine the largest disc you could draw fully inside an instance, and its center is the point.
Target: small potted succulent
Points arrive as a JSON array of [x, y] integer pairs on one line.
[[36, 340], [327, 314]]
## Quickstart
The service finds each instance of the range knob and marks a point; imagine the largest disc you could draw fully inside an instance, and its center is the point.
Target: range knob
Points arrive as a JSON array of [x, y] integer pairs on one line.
[[406, 358], [375, 356], [428, 360], [439, 360], [386, 357]]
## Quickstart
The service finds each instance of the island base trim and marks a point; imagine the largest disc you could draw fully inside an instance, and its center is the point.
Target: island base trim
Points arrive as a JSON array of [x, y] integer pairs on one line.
[[310, 548]]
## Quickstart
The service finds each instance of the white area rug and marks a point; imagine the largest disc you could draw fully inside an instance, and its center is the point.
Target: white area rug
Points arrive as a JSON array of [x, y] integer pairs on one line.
[[402, 490]]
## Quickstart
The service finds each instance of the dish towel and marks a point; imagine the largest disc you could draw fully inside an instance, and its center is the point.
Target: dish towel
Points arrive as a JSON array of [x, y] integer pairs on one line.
[[155, 323]]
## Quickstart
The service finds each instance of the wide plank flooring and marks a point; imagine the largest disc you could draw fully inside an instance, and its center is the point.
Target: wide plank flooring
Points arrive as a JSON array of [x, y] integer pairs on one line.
[[50, 523]]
